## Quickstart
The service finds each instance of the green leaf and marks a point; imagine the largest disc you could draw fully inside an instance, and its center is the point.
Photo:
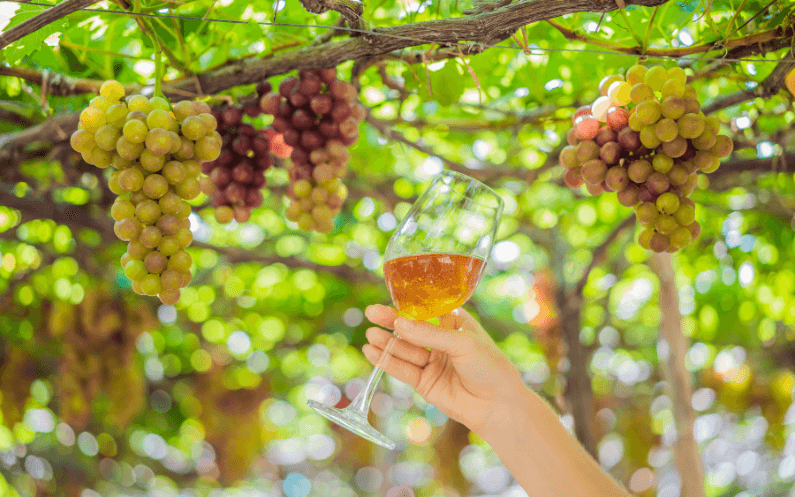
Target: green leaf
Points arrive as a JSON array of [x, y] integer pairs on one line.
[[20, 49], [446, 85]]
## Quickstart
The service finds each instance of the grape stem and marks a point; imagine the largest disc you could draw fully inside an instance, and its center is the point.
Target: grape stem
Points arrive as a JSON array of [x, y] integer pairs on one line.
[[158, 59]]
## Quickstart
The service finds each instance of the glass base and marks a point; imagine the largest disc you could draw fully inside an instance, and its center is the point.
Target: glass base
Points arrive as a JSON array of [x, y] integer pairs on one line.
[[354, 422]]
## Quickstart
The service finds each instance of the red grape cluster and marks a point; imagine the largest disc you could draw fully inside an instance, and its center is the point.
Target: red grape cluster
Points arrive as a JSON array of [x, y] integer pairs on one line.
[[155, 151], [238, 173], [649, 154], [318, 115]]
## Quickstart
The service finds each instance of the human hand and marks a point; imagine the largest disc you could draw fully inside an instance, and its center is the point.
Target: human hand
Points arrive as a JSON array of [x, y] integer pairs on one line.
[[465, 375]]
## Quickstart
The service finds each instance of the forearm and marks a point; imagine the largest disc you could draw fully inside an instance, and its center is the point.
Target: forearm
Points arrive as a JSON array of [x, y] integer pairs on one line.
[[542, 455]]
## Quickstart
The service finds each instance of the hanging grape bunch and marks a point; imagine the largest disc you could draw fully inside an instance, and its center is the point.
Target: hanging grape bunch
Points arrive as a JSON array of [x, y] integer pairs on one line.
[[238, 173], [319, 117], [649, 152], [156, 151]]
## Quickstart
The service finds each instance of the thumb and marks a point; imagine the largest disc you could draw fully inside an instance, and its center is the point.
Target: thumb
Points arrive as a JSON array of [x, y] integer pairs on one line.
[[428, 335]]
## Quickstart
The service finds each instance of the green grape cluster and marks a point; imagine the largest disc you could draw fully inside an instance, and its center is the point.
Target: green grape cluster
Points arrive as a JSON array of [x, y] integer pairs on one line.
[[155, 152], [646, 139]]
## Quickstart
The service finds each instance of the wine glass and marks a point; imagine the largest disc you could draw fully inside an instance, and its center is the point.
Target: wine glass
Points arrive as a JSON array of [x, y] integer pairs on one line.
[[432, 264]]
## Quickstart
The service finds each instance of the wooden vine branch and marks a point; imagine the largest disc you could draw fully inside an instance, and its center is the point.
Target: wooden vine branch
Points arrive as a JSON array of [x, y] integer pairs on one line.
[[771, 85], [59, 84], [676, 375], [599, 254], [489, 28], [351, 10], [61, 10]]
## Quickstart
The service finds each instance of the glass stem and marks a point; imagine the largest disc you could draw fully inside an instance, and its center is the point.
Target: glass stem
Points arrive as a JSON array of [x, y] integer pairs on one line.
[[361, 404]]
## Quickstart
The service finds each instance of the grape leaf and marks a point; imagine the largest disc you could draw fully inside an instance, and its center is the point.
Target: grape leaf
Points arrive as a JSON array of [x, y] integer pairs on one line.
[[447, 85], [20, 49]]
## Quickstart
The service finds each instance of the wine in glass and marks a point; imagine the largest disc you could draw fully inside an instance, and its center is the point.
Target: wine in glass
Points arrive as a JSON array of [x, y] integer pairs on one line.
[[432, 265]]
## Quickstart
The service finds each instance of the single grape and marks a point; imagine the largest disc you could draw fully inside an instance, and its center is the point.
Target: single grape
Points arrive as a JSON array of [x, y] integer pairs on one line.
[[135, 270], [723, 146], [139, 103], [169, 225], [101, 158], [184, 237], [617, 118], [711, 168], [113, 183], [681, 237], [692, 105], [150, 237], [695, 229], [620, 93], [127, 229], [207, 149], [106, 138], [151, 162], [168, 246], [629, 139], [667, 203], [170, 203], [662, 163], [690, 125], [666, 129], [174, 172], [116, 115], [610, 153], [92, 118], [675, 148], [586, 127], [606, 82], [706, 140], [572, 178], [648, 111], [634, 123], [147, 212], [188, 189], [183, 109], [672, 88], [155, 186], [121, 209], [587, 150], [599, 108], [82, 141], [594, 189], [181, 261], [171, 279], [150, 284], [137, 250], [183, 214], [647, 213], [685, 215], [131, 180], [128, 150], [159, 103], [677, 176], [571, 136], [713, 123], [639, 170], [665, 224], [636, 74], [594, 171], [656, 77], [302, 188], [657, 183], [169, 297], [135, 131], [641, 92], [672, 107], [568, 157], [648, 136], [604, 135], [617, 178], [224, 214], [659, 242], [629, 196], [158, 141], [645, 237]]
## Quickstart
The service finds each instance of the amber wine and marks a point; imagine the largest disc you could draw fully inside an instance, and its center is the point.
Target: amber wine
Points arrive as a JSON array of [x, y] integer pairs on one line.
[[426, 286]]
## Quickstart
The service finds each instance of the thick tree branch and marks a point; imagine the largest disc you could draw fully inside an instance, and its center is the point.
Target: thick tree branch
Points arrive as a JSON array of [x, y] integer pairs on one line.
[[769, 87], [490, 28], [351, 10], [59, 84], [61, 10]]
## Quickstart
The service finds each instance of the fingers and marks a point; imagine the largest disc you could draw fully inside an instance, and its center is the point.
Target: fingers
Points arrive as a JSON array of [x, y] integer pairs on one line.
[[381, 315], [460, 319], [394, 366], [401, 348], [425, 334]]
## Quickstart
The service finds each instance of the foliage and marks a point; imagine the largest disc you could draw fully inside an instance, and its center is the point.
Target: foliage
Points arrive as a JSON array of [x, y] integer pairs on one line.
[[105, 391]]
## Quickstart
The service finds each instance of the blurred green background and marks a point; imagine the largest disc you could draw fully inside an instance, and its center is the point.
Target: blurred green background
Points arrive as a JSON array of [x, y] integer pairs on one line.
[[104, 392]]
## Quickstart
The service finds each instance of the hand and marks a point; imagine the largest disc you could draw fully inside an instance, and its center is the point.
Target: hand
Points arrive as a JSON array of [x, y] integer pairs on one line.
[[465, 375]]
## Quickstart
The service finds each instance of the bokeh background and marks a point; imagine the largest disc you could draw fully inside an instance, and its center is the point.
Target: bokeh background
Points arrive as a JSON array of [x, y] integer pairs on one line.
[[106, 393]]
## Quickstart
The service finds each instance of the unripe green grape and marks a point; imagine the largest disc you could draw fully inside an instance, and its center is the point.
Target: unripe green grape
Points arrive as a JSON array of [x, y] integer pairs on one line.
[[678, 74], [648, 136], [636, 74], [128, 150], [648, 111], [147, 212], [135, 131], [150, 237], [215, 135], [675, 148], [193, 128], [176, 142], [645, 237], [121, 209], [159, 103], [692, 106], [87, 156], [224, 214], [647, 213], [667, 203], [306, 222], [131, 179], [705, 140], [713, 123], [106, 137], [604, 84], [170, 203], [656, 77], [159, 118], [168, 245], [184, 211], [723, 146], [207, 149], [678, 175], [155, 186], [174, 128], [186, 149], [101, 158], [209, 121], [293, 212], [174, 172], [666, 129], [641, 92], [113, 183], [185, 223], [672, 107], [137, 250], [704, 159], [681, 238], [181, 261], [92, 118], [139, 103], [188, 189], [158, 141], [690, 125], [690, 92], [112, 90], [127, 229], [184, 237], [82, 141], [192, 168], [125, 259], [150, 284], [135, 270], [152, 162], [119, 163], [665, 224], [302, 188], [169, 224], [136, 286], [135, 115], [183, 109], [169, 297], [116, 115], [101, 103], [712, 167], [639, 170], [171, 279], [586, 150], [635, 124], [662, 163], [137, 197], [672, 88], [685, 214]]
